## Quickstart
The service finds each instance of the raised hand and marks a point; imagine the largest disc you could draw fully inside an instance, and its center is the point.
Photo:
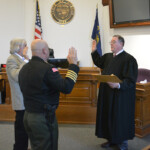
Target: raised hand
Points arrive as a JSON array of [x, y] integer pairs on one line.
[[72, 56], [25, 50], [93, 45]]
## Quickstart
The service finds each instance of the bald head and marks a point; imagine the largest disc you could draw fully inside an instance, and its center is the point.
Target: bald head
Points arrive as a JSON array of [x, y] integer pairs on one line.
[[40, 48]]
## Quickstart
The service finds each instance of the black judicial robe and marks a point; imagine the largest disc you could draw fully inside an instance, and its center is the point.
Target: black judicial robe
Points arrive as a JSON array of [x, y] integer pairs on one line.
[[116, 107]]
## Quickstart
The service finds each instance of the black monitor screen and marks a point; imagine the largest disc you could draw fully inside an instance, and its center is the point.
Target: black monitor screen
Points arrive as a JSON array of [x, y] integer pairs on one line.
[[130, 11], [59, 62]]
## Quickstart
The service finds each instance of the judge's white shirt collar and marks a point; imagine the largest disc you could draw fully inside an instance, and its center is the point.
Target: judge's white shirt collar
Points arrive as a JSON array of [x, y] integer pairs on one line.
[[119, 52]]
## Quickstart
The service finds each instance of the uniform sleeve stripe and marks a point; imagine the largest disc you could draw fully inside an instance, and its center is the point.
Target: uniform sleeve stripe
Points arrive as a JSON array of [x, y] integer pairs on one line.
[[72, 75], [72, 72], [72, 79]]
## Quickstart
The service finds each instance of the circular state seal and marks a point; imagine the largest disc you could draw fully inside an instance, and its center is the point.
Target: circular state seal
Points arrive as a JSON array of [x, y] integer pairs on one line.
[[62, 11]]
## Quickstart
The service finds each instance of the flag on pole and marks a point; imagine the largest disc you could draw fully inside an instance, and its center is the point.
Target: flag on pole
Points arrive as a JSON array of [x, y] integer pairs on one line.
[[96, 34], [38, 27]]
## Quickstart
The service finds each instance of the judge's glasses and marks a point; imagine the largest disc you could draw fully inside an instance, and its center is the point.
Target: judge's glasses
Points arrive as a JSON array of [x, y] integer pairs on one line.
[[112, 42]]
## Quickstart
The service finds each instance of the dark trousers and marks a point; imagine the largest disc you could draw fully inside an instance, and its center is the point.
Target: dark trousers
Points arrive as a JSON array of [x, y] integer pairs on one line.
[[21, 137], [43, 134]]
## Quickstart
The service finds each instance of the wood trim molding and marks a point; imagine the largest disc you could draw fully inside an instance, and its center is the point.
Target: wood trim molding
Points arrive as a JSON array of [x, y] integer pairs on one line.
[[105, 2]]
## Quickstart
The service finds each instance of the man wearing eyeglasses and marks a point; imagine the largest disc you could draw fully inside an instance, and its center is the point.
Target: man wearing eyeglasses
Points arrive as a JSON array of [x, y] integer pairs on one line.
[[116, 101]]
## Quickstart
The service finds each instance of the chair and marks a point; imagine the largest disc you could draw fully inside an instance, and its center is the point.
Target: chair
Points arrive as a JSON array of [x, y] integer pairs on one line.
[[143, 74]]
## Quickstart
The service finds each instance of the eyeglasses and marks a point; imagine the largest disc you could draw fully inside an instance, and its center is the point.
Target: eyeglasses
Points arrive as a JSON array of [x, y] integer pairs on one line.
[[112, 42]]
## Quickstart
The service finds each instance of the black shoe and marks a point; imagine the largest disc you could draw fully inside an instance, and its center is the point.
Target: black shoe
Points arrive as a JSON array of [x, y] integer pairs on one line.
[[107, 144], [123, 145]]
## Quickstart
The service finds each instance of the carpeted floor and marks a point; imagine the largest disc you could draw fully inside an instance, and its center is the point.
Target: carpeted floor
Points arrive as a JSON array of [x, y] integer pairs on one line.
[[71, 137]]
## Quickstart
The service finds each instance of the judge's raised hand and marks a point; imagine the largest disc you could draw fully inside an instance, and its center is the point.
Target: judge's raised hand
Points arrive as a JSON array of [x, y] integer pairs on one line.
[[93, 45], [72, 56]]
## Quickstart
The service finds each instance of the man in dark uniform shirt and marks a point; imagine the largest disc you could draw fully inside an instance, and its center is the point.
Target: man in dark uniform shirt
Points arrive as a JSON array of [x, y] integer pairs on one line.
[[41, 84], [116, 101]]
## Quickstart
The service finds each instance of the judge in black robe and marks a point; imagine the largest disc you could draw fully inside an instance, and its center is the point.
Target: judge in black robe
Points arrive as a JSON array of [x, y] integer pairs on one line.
[[116, 101]]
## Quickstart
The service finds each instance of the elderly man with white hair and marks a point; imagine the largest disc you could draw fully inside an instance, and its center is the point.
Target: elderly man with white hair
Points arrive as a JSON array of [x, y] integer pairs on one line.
[[18, 57]]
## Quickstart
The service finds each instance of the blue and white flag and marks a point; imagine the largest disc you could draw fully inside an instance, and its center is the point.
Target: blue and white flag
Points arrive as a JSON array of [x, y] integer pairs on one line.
[[96, 34]]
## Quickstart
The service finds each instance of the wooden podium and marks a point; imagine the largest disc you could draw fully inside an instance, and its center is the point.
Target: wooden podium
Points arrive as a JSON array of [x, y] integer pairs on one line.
[[6, 112], [142, 110], [80, 105]]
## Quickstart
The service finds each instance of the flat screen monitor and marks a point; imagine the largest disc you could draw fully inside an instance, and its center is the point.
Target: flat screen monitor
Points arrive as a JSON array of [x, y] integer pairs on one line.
[[130, 12], [59, 62]]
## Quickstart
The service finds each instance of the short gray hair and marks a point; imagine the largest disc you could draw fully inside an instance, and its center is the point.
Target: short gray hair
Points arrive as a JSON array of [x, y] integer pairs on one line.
[[15, 44], [120, 38]]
